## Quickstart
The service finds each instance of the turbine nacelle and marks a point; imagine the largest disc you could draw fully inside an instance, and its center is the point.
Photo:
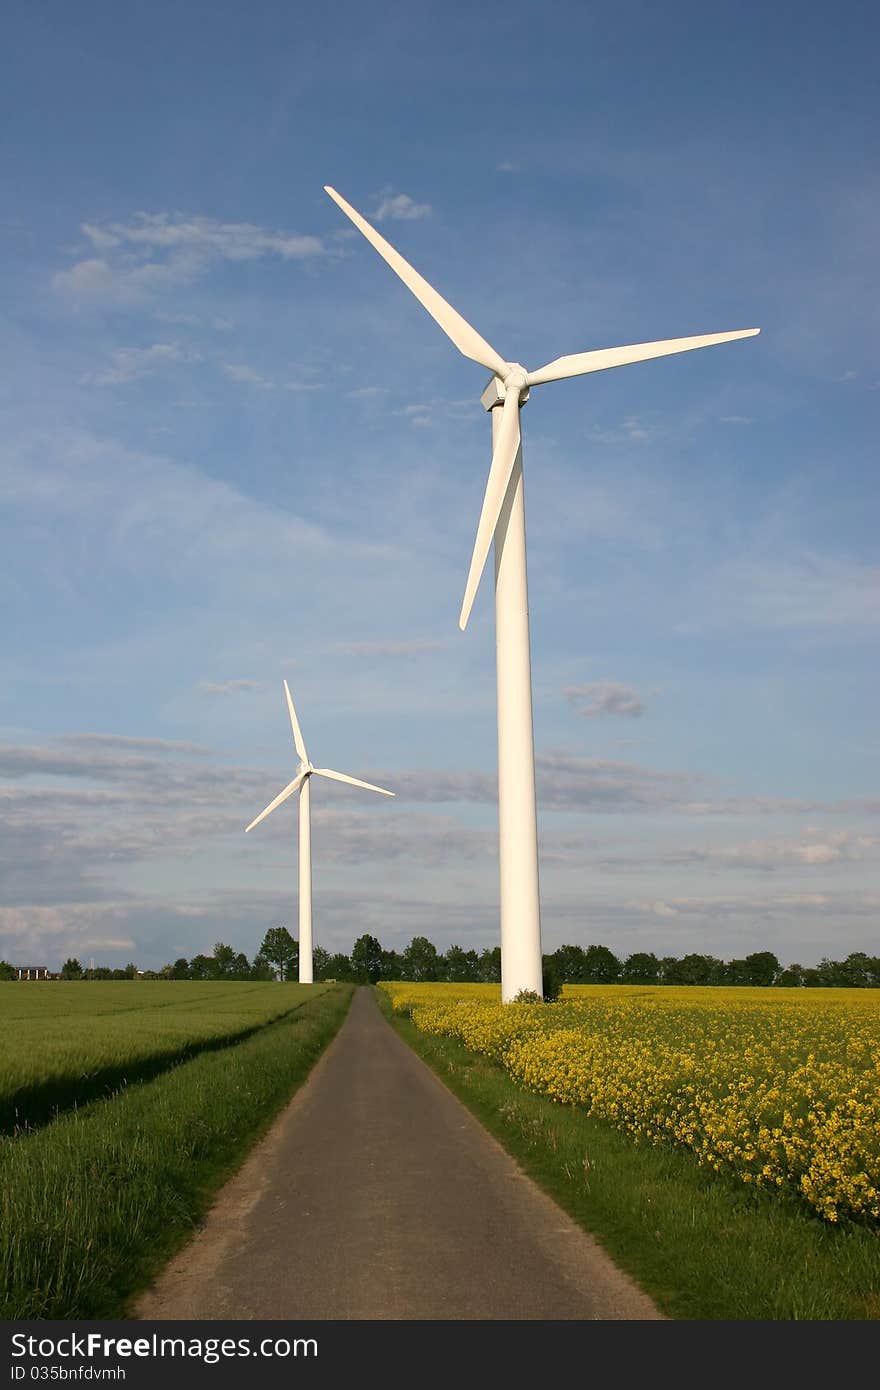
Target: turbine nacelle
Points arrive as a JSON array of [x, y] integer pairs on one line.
[[496, 392], [307, 769], [510, 383], [503, 512]]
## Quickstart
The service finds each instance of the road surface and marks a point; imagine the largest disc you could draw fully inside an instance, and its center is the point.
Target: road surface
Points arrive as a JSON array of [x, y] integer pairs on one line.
[[377, 1195]]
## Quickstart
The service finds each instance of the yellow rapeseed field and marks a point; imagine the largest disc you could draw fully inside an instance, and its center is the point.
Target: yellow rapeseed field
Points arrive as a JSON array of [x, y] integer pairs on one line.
[[779, 1087]]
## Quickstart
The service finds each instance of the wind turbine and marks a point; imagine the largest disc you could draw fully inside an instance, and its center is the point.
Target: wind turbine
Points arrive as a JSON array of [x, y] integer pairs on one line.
[[503, 517], [300, 783]]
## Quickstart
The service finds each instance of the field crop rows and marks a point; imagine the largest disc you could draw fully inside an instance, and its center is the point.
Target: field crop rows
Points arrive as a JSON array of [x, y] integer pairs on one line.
[[163, 1088], [63, 1045], [778, 1088]]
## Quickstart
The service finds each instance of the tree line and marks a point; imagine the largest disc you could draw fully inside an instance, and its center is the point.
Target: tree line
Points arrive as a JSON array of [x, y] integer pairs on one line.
[[369, 962]]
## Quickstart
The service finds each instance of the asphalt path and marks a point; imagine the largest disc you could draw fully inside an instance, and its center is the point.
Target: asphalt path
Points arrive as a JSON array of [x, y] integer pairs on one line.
[[377, 1195]]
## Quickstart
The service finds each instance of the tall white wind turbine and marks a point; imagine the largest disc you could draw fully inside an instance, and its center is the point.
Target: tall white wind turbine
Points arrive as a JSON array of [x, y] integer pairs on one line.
[[503, 517], [300, 783]]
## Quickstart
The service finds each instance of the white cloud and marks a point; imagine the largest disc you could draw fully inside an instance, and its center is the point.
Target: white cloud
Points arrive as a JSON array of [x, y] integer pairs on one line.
[[605, 697], [156, 250], [234, 687], [234, 241], [135, 743], [825, 593], [400, 207], [186, 320], [240, 371], [814, 850], [131, 363], [148, 509], [405, 647]]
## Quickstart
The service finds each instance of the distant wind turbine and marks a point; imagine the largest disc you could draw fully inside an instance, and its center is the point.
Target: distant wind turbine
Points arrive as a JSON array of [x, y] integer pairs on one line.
[[503, 517], [300, 783]]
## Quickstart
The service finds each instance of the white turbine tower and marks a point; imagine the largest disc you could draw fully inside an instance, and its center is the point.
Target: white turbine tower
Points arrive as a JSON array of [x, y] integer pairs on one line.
[[300, 783], [503, 517]]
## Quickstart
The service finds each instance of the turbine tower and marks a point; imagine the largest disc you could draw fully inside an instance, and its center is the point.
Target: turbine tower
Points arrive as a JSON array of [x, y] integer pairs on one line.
[[300, 783], [503, 517]]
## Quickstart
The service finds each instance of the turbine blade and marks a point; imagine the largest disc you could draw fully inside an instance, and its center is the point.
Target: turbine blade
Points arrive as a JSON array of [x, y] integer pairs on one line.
[[294, 724], [493, 499], [353, 781], [282, 796], [466, 338], [580, 362]]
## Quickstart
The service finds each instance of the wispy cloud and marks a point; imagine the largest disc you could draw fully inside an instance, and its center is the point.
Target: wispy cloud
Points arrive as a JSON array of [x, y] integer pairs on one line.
[[812, 851], [605, 697], [403, 647], [631, 430], [248, 376], [157, 250], [234, 687], [131, 363], [815, 591], [136, 744], [184, 320]]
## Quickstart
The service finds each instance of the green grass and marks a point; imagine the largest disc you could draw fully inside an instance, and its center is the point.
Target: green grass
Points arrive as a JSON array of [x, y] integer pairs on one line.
[[65, 1044], [702, 1244], [92, 1204]]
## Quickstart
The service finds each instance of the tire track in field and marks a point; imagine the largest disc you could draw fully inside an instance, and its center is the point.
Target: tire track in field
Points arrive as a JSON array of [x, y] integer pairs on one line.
[[33, 1106]]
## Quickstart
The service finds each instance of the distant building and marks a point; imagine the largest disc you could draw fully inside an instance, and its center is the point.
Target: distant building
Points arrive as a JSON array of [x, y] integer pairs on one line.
[[31, 972]]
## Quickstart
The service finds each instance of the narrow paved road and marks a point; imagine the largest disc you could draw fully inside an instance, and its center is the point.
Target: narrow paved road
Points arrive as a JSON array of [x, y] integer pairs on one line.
[[377, 1195]]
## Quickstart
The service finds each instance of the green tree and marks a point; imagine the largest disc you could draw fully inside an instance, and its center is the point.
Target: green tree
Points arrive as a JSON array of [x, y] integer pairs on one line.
[[71, 969], [202, 967], [320, 960], [792, 977], [641, 968], [570, 964], [279, 949], [735, 972], [366, 959], [339, 967], [392, 965], [6, 971], [551, 981], [601, 966], [763, 967], [420, 960], [694, 969], [261, 969], [490, 966], [668, 969], [858, 971], [179, 970], [459, 966], [224, 958]]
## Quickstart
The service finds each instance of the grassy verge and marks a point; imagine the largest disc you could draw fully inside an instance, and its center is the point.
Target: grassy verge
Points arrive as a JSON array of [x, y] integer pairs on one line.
[[93, 1204], [703, 1245]]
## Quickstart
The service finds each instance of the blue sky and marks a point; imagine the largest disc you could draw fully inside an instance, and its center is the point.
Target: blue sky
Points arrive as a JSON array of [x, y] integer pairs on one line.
[[235, 449]]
